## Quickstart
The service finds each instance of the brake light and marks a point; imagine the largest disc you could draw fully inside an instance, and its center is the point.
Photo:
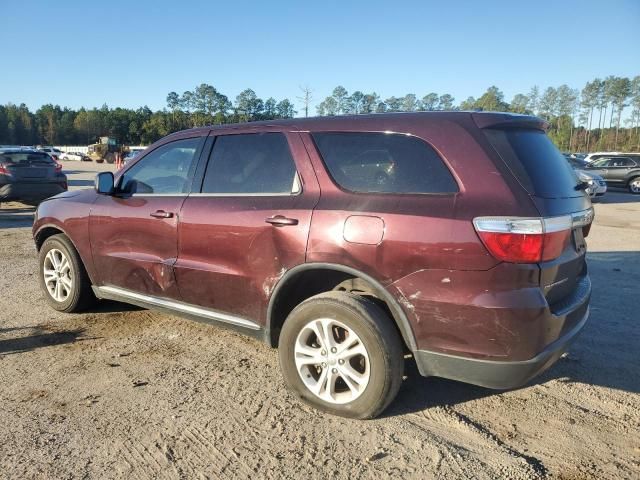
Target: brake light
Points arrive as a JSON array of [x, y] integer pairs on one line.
[[4, 170], [58, 166], [529, 240]]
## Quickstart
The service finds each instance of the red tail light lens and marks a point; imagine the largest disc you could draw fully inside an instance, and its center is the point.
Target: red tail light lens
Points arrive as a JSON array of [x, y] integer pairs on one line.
[[529, 240], [4, 170], [513, 247], [58, 167]]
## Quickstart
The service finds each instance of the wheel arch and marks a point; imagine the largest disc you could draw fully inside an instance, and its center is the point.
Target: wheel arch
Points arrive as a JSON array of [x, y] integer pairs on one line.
[[46, 231], [277, 309], [49, 230]]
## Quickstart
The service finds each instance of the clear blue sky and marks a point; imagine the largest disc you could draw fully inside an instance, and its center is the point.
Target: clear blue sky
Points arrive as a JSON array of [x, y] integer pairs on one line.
[[132, 53]]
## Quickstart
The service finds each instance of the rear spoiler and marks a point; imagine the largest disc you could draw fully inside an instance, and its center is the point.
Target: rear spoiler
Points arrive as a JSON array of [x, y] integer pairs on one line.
[[508, 120]]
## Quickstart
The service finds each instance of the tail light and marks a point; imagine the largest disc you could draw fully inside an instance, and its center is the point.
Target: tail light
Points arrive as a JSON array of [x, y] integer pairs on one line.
[[530, 240], [58, 166], [4, 170]]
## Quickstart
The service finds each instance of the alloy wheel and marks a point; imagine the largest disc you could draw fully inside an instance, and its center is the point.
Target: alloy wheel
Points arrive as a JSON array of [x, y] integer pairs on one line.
[[57, 275], [332, 361]]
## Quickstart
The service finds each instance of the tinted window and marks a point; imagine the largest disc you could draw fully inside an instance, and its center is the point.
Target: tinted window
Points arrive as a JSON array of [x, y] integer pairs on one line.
[[250, 164], [622, 162], [26, 158], [613, 162], [166, 170], [603, 162], [383, 163], [535, 162]]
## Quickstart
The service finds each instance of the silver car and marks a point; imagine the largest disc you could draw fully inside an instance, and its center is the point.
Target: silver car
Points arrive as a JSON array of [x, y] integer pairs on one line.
[[597, 186]]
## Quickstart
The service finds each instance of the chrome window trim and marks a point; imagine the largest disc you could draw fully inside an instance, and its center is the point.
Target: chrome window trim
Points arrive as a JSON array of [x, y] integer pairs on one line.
[[181, 307], [179, 195], [244, 194]]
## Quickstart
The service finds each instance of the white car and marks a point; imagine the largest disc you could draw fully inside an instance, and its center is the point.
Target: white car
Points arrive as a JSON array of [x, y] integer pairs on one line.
[[72, 156], [597, 186], [52, 151]]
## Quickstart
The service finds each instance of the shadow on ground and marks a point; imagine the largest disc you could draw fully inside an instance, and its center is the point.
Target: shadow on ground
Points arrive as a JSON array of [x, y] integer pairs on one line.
[[618, 195], [111, 306], [81, 183], [16, 215], [37, 338]]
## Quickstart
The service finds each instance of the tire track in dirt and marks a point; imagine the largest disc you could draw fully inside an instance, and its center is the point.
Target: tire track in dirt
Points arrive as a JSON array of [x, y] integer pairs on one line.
[[461, 452]]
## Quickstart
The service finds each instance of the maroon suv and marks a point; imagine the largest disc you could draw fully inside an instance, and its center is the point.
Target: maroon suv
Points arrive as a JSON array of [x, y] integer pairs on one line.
[[346, 242]]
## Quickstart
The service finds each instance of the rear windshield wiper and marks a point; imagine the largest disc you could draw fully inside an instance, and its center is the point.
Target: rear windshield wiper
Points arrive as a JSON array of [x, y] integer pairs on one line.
[[581, 186]]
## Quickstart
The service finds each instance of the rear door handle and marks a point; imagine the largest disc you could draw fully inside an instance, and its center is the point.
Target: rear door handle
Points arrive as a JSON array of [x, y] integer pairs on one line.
[[280, 221], [161, 214]]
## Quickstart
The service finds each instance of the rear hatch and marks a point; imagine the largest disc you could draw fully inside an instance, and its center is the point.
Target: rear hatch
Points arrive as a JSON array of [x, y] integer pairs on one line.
[[551, 183], [29, 166]]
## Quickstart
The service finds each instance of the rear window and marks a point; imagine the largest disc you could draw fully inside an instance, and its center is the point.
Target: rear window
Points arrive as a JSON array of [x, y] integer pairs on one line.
[[25, 157], [384, 163], [535, 161]]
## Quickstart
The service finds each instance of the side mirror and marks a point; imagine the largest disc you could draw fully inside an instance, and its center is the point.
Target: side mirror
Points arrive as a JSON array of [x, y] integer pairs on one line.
[[104, 183]]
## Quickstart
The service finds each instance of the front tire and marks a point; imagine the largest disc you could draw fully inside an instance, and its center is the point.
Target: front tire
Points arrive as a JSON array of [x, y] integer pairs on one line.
[[63, 278], [341, 353]]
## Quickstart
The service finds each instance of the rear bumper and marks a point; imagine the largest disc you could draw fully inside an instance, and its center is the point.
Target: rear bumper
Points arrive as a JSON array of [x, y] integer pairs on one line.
[[30, 191], [495, 374]]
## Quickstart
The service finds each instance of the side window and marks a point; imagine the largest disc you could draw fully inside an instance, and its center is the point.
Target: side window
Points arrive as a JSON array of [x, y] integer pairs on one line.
[[165, 170], [384, 163], [602, 162], [251, 164]]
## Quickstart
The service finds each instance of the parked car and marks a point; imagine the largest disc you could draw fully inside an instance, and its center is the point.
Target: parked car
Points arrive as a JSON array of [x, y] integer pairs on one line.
[[29, 176], [54, 152], [618, 171], [77, 156], [471, 255], [596, 186]]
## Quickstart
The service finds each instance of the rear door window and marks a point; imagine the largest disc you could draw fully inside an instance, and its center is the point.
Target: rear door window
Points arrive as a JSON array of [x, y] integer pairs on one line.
[[535, 162], [251, 164], [383, 163]]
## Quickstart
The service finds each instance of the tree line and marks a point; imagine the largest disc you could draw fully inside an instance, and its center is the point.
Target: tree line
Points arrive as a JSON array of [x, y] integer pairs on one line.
[[204, 105], [580, 120]]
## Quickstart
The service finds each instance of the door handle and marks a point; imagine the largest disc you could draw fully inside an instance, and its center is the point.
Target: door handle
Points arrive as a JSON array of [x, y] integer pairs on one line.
[[280, 221], [161, 214]]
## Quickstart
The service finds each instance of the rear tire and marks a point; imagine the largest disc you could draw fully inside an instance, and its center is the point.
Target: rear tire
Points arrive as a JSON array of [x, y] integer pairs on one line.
[[63, 278], [352, 366], [634, 185]]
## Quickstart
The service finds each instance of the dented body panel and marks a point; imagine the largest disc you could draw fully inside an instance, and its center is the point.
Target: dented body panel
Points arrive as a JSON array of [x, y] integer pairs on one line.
[[132, 249]]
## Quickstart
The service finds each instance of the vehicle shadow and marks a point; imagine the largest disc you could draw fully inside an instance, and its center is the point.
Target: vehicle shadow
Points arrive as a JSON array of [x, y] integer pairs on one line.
[[38, 339], [618, 195], [605, 354], [80, 183], [73, 172], [111, 306], [16, 216]]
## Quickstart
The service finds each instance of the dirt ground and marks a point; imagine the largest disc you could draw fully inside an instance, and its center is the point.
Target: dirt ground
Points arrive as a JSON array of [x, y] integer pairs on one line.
[[126, 393]]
